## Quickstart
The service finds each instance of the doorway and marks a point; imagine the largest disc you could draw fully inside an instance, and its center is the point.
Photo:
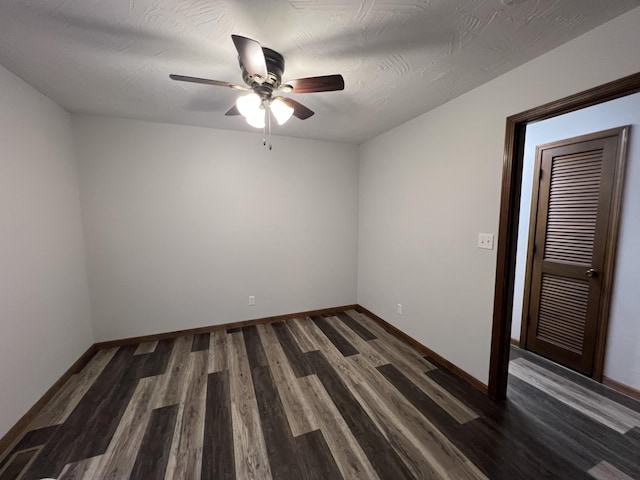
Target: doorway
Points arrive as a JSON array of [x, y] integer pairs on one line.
[[510, 212]]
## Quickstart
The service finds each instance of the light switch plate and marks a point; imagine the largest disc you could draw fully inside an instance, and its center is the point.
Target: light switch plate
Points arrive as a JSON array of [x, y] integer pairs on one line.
[[485, 240]]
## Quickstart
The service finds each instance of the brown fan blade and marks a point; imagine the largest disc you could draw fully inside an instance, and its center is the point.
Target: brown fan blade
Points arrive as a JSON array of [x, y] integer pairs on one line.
[[251, 57], [206, 81], [299, 110], [233, 111], [326, 83]]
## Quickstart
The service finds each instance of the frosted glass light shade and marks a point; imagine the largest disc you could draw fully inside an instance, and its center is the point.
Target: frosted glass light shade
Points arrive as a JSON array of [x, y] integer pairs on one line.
[[248, 104], [256, 118], [281, 111]]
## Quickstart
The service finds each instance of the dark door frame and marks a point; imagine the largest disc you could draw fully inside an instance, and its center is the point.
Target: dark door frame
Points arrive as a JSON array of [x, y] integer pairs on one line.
[[510, 212]]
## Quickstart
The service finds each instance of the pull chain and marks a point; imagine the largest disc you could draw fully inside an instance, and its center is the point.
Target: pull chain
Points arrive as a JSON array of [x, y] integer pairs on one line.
[[269, 115]]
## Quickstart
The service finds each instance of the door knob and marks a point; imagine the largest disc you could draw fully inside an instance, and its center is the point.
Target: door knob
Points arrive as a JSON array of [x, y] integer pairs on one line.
[[591, 273]]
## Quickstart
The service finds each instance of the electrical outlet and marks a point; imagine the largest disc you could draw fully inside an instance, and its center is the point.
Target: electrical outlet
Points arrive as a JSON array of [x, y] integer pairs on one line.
[[252, 300], [485, 240], [399, 309]]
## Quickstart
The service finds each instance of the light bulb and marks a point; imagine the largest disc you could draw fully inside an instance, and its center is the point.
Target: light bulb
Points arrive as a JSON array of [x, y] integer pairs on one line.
[[256, 118], [281, 111], [248, 104]]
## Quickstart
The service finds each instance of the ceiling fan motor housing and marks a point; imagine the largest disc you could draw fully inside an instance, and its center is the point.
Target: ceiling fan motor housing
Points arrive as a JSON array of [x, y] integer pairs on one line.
[[275, 70]]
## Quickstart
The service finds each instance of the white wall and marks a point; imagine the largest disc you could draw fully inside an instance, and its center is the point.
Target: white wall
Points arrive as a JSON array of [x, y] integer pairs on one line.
[[45, 320], [623, 346], [428, 187], [184, 223]]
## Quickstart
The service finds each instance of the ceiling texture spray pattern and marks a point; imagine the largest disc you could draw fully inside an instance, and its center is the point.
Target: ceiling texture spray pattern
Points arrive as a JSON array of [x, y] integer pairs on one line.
[[399, 58]]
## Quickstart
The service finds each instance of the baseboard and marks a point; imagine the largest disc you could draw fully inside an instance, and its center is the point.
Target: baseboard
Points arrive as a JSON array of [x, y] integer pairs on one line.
[[621, 387], [213, 328], [515, 341], [14, 433], [454, 369]]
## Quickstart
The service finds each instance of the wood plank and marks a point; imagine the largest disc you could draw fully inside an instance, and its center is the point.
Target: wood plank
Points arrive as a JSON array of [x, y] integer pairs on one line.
[[82, 469], [615, 416], [218, 460], [100, 410], [315, 457], [255, 350], [13, 435], [173, 381], [346, 451], [405, 441], [606, 471], [146, 347], [422, 446], [411, 355], [281, 449], [379, 452], [507, 440], [154, 363], [484, 445], [120, 456], [341, 343], [218, 351], [200, 342], [18, 463], [568, 433], [153, 454], [296, 357], [58, 409], [299, 416], [412, 369], [578, 378], [329, 351], [305, 344], [454, 406], [249, 447], [185, 460], [356, 326], [365, 348]]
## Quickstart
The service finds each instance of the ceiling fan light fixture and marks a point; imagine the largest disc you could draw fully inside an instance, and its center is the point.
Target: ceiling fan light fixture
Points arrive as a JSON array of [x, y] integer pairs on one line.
[[281, 111], [256, 118], [248, 104]]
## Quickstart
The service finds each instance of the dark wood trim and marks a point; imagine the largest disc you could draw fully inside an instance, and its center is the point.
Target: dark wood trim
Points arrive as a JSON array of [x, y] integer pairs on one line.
[[223, 326], [16, 431], [621, 387], [610, 254], [533, 218], [443, 362], [510, 211], [506, 258], [515, 341]]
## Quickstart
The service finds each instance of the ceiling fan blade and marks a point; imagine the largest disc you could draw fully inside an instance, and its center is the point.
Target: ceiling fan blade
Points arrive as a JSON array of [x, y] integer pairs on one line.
[[326, 83], [233, 111], [299, 110], [251, 57], [206, 81]]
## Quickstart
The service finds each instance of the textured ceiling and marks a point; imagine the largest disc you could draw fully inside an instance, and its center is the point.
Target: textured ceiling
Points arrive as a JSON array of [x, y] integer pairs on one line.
[[399, 58]]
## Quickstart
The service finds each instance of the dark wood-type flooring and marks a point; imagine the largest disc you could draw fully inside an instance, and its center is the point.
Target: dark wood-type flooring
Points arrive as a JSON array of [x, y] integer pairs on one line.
[[320, 398]]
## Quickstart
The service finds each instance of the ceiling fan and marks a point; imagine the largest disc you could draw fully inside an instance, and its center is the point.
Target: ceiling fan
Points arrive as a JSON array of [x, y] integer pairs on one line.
[[262, 70]]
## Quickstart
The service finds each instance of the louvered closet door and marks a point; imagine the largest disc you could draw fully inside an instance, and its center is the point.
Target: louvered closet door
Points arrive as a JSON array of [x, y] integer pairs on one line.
[[571, 221]]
